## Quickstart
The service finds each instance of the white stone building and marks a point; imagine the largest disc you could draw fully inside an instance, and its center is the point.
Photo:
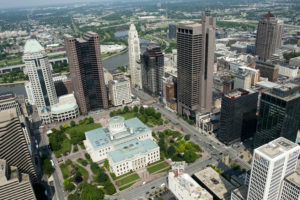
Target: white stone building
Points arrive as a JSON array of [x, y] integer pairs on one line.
[[29, 93], [185, 188], [289, 71], [128, 145], [242, 80], [120, 92], [291, 187], [65, 109], [134, 57], [271, 163]]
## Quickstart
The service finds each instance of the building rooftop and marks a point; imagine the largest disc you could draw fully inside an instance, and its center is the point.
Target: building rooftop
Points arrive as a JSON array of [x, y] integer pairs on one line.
[[286, 91], [130, 148], [267, 84], [33, 46], [217, 185], [101, 137], [236, 93], [277, 147], [242, 191], [294, 178], [190, 185], [65, 103], [6, 95]]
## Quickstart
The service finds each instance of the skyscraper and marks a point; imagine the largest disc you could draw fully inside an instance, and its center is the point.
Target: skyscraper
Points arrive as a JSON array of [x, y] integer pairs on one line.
[[152, 61], [14, 185], [134, 57], [279, 114], [271, 163], [40, 76], [291, 187], [238, 115], [268, 36], [86, 71], [195, 47], [172, 31], [15, 145]]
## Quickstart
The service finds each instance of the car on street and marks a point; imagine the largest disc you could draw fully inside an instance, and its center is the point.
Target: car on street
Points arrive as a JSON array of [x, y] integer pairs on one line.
[[153, 187], [147, 192]]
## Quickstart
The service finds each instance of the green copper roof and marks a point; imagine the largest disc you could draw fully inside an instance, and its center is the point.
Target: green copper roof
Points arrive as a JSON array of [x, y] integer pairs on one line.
[[33, 46]]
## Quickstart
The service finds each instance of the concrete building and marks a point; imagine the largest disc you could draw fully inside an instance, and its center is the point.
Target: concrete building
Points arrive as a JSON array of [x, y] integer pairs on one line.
[[214, 183], [295, 61], [238, 115], [195, 47], [29, 93], [128, 145], [254, 73], [152, 61], [120, 92], [87, 71], [271, 163], [268, 36], [268, 70], [134, 53], [65, 109], [63, 85], [186, 188], [15, 143], [239, 193], [289, 71], [242, 80], [14, 185], [291, 187], [203, 121], [40, 76], [172, 31], [279, 114], [9, 100], [169, 92]]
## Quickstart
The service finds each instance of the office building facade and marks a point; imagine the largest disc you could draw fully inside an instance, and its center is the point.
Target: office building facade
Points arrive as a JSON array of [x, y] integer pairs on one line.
[[279, 114], [238, 115], [86, 71], [152, 61], [134, 57], [195, 48], [15, 143], [40, 76], [268, 36], [172, 31], [120, 92], [14, 185], [291, 187], [271, 163]]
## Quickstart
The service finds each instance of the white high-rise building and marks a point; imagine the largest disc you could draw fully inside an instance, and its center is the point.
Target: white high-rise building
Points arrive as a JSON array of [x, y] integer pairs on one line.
[[119, 91], [134, 57], [40, 76], [271, 163], [291, 187]]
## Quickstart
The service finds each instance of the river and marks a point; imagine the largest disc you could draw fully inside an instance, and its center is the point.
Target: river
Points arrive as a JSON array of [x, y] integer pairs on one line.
[[110, 64]]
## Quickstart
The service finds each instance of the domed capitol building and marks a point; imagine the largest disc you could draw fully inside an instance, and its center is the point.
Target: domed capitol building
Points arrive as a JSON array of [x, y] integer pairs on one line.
[[126, 144]]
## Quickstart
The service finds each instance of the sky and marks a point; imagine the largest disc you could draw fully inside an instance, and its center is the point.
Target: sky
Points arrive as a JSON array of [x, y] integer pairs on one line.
[[34, 3]]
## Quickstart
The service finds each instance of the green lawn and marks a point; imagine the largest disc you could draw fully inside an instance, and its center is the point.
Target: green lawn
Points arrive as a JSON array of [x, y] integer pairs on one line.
[[125, 187], [11, 61], [129, 115], [156, 162], [128, 179], [66, 147], [83, 128], [157, 167], [64, 170], [114, 177], [82, 171], [82, 161], [164, 170]]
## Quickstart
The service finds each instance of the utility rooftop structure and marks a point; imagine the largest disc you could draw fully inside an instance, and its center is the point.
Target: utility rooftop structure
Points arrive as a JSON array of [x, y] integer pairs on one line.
[[127, 144]]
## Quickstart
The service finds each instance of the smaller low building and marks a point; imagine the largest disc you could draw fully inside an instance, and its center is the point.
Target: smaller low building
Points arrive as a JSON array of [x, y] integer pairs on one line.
[[186, 188], [239, 193], [65, 109], [204, 123], [119, 91], [289, 71], [291, 187], [214, 183]]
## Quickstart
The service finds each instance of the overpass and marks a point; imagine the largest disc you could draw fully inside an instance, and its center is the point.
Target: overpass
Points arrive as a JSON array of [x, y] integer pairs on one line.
[[22, 66]]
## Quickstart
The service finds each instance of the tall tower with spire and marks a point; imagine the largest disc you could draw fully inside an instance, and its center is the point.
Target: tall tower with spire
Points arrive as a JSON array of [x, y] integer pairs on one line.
[[134, 57]]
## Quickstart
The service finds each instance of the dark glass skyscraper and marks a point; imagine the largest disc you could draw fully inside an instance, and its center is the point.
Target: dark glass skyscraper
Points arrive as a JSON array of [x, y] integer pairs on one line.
[[279, 114], [152, 70], [238, 115], [86, 71]]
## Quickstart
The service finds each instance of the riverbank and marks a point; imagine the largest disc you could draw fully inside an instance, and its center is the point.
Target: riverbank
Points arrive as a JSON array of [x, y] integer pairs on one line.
[[13, 83], [116, 54]]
